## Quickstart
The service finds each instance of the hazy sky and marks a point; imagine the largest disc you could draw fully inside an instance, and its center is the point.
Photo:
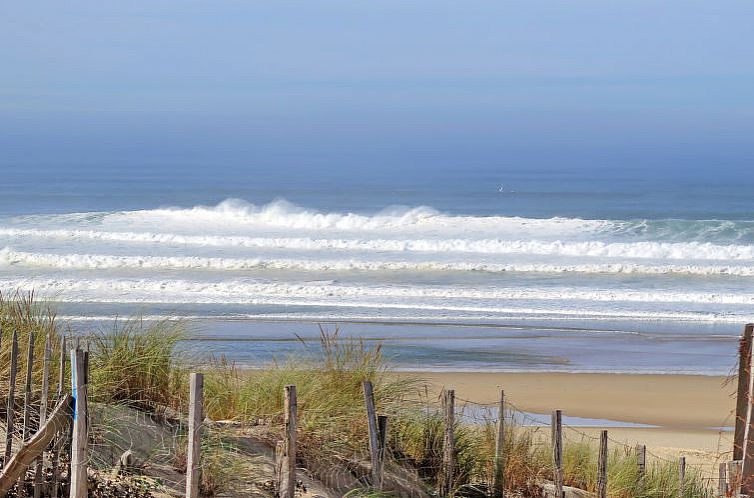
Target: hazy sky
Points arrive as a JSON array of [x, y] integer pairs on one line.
[[634, 80]]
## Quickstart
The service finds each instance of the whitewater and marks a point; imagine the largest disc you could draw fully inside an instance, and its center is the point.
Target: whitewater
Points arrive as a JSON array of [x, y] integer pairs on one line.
[[402, 261]]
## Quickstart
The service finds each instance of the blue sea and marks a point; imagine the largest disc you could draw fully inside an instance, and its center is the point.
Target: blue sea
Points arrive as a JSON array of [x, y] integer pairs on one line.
[[494, 268]]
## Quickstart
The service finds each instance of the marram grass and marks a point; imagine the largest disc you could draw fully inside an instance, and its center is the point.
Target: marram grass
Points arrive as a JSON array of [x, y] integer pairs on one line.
[[140, 364]]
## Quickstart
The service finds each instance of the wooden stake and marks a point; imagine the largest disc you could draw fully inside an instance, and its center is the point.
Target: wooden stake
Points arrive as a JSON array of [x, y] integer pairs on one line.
[[641, 461], [374, 449], [449, 443], [747, 474], [27, 387], [602, 467], [11, 406], [196, 405], [722, 483], [79, 445], [288, 466], [557, 450], [498, 472], [681, 476], [58, 447], [382, 445], [61, 373], [43, 412], [735, 470], [742, 398]]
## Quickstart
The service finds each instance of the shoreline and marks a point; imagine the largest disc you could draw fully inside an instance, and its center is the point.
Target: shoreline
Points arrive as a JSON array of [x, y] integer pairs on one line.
[[667, 401], [686, 415]]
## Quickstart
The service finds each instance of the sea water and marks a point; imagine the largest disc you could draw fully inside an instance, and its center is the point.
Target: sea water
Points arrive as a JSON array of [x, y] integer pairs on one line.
[[496, 268]]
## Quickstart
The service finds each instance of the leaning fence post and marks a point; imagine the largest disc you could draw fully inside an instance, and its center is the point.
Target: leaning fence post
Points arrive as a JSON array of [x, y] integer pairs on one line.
[[27, 387], [196, 402], [373, 435], [742, 395], [681, 476], [11, 406], [287, 480], [602, 467], [498, 473], [43, 411], [557, 451], [79, 444], [449, 443]]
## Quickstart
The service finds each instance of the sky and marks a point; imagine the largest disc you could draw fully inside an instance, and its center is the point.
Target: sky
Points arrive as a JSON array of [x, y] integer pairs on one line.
[[611, 84]]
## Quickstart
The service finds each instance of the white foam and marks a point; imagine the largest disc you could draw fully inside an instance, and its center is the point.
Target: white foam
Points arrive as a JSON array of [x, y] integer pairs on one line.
[[439, 297], [111, 262], [619, 250]]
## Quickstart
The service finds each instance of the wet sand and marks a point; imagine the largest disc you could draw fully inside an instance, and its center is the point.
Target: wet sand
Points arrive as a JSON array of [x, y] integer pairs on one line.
[[688, 410]]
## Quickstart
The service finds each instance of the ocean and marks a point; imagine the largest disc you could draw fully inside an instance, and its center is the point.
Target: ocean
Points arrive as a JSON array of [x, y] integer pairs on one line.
[[491, 269]]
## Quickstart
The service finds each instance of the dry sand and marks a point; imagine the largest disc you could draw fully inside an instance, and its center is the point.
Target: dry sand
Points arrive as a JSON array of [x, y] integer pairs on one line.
[[689, 410]]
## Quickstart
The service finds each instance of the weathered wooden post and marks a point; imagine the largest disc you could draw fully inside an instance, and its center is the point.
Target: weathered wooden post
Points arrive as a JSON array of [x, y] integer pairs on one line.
[[735, 471], [382, 445], [61, 367], [43, 411], [27, 387], [722, 483], [681, 476], [498, 471], [557, 451], [11, 406], [374, 449], [196, 406], [58, 446], [288, 465], [449, 443], [641, 461], [602, 467], [742, 395], [747, 475], [79, 443]]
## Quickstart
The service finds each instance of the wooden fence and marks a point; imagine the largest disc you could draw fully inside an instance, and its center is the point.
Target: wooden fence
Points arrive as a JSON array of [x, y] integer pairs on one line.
[[63, 434]]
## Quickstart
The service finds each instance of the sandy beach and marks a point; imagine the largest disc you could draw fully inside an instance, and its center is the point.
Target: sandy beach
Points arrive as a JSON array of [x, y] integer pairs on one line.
[[688, 410]]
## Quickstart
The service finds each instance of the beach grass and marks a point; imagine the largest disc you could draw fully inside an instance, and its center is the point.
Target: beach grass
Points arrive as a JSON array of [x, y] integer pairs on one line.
[[141, 365]]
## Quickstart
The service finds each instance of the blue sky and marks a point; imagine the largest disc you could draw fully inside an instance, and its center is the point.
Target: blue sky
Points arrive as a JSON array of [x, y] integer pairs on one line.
[[237, 80]]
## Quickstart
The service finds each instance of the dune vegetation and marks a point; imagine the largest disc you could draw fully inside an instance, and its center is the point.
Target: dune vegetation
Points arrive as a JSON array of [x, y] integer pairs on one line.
[[145, 366]]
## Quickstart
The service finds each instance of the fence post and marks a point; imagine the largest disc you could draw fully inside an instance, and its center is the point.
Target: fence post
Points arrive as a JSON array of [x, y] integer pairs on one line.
[[742, 395], [735, 470], [374, 449], [43, 411], [681, 476], [196, 405], [449, 443], [382, 445], [641, 461], [27, 387], [61, 373], [557, 451], [747, 474], [722, 484], [79, 444], [57, 448], [498, 475], [602, 467], [11, 406], [288, 465]]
